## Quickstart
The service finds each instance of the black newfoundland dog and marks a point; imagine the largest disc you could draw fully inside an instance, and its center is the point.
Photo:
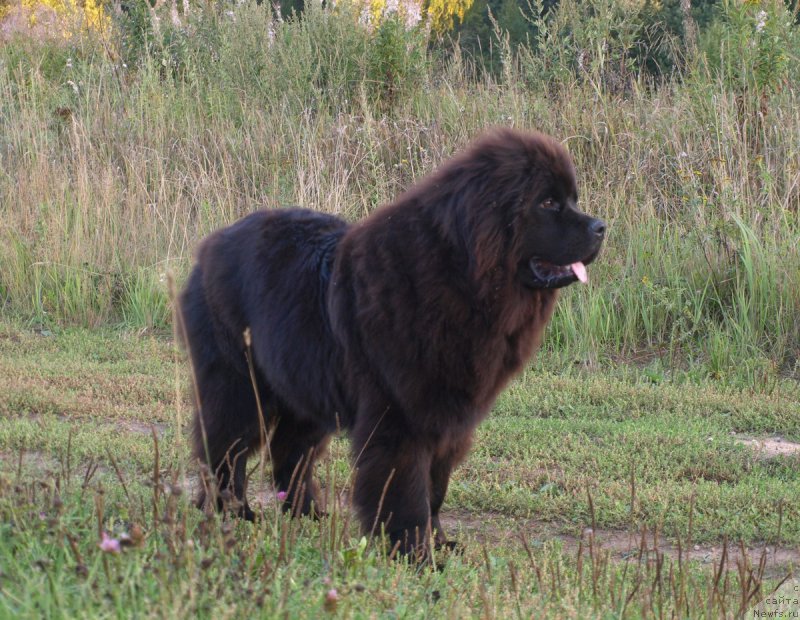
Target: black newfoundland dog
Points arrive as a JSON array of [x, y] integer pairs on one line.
[[401, 329]]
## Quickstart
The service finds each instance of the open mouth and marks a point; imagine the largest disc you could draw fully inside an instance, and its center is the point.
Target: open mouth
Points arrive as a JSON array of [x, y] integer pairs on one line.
[[550, 275]]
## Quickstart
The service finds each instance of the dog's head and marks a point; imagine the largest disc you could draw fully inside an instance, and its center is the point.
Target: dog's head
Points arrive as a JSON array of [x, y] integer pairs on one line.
[[515, 199], [555, 239]]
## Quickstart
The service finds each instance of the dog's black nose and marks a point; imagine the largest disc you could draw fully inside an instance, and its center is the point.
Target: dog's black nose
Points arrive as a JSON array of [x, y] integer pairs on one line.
[[598, 227]]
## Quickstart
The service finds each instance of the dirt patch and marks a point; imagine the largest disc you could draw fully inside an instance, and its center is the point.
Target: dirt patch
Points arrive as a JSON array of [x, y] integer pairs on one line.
[[27, 459], [134, 426], [493, 529], [123, 424], [497, 529], [770, 447]]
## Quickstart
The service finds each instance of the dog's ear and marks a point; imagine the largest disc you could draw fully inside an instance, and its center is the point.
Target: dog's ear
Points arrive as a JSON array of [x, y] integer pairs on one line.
[[475, 216]]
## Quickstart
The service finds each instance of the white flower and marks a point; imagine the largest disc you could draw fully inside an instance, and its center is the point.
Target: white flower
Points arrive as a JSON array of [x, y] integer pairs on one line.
[[364, 17], [762, 21], [413, 13]]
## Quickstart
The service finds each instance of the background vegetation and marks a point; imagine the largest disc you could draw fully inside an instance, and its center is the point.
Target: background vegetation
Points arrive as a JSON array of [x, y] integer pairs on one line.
[[121, 150]]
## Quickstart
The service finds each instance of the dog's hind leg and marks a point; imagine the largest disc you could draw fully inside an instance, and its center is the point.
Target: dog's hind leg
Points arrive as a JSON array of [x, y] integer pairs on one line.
[[295, 448], [226, 431]]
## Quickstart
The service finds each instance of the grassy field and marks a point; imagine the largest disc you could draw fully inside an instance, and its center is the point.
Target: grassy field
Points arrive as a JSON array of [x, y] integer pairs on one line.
[[589, 493], [119, 156], [645, 465]]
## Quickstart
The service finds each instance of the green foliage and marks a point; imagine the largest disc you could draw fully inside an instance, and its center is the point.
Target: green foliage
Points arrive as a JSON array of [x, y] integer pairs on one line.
[[290, 8], [144, 302], [752, 46], [662, 47], [135, 31], [116, 167], [395, 62], [176, 44], [591, 41], [477, 34]]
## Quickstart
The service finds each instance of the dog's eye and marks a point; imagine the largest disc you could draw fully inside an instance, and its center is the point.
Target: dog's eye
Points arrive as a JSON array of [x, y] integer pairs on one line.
[[549, 203]]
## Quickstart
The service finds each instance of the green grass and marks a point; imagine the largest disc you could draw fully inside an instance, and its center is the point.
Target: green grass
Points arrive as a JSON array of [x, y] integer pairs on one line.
[[566, 448]]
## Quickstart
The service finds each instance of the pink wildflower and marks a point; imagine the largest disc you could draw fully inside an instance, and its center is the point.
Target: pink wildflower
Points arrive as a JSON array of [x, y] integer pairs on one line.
[[331, 599], [281, 495], [108, 544]]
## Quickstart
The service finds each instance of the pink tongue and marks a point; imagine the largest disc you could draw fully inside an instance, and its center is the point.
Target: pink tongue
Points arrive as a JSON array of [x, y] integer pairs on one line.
[[579, 269]]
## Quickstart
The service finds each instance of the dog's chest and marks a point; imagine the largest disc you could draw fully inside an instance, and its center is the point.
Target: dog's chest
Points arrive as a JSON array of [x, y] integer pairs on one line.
[[518, 333]]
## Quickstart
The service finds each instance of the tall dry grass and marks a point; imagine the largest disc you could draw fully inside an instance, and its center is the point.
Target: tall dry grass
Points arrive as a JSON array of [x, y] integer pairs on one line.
[[113, 167]]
